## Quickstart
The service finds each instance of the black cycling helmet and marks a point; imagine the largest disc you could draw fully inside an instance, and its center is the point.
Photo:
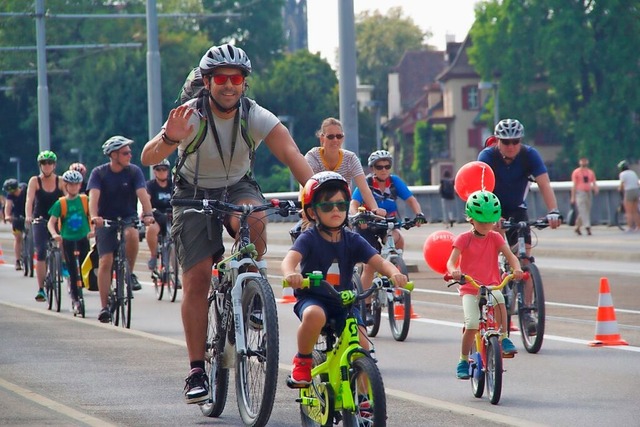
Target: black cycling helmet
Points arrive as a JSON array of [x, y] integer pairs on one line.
[[509, 129], [623, 165], [225, 55], [10, 185]]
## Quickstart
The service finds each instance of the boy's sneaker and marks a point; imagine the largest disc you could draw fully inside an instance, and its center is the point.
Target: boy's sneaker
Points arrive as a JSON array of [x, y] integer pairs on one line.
[[196, 388], [462, 371], [152, 263], [135, 284], [41, 296], [508, 349], [301, 373], [105, 315]]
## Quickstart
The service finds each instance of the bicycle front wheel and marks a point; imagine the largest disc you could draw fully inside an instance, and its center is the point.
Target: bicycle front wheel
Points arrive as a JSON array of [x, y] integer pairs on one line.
[[368, 394], [27, 254], [400, 306], [257, 370], [57, 279], [531, 313], [476, 370], [213, 363], [494, 369]]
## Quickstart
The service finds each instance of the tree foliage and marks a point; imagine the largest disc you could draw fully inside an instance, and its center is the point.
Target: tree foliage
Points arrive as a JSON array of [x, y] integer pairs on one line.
[[381, 40], [569, 70]]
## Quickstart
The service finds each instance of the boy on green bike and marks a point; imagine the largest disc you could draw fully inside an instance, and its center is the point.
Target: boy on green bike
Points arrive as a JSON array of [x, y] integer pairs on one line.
[[475, 253], [329, 247]]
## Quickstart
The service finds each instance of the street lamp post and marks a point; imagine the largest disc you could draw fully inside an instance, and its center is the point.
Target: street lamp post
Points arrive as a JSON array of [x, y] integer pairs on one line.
[[16, 160], [496, 98], [78, 152]]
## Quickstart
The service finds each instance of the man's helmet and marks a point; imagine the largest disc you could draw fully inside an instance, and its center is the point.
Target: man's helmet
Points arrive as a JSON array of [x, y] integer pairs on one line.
[[10, 185], [47, 155], [483, 206], [115, 143], [623, 165], [322, 181], [163, 164], [225, 55], [72, 177], [78, 167], [379, 155], [509, 129]]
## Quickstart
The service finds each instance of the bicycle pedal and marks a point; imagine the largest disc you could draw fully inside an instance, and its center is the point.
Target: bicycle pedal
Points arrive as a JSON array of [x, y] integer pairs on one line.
[[294, 385], [508, 355]]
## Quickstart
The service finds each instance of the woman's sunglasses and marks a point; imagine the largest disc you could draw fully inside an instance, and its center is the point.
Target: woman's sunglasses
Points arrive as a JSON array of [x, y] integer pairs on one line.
[[327, 207], [380, 167], [221, 79], [331, 137], [510, 141]]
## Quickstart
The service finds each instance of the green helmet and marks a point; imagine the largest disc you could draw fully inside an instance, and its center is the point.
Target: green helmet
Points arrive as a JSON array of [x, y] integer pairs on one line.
[[483, 206], [47, 155]]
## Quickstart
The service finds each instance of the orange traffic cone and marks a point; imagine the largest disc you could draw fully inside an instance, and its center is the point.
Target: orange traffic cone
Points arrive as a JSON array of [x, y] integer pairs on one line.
[[606, 324], [287, 296], [398, 310], [1, 255]]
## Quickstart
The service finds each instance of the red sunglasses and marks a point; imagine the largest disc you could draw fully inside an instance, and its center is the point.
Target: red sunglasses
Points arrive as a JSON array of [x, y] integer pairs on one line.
[[220, 79]]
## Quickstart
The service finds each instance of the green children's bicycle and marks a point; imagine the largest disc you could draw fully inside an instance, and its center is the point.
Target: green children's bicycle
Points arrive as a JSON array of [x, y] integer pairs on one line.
[[346, 383]]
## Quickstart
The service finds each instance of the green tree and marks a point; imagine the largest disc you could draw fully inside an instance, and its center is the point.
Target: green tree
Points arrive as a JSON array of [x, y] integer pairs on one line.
[[569, 70], [381, 40]]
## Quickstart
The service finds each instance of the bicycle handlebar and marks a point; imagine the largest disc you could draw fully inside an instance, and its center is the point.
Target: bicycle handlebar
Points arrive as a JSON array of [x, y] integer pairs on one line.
[[283, 208], [510, 224], [379, 223], [468, 279]]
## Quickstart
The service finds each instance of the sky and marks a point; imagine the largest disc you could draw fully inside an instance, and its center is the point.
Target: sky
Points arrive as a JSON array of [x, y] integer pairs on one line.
[[441, 17]]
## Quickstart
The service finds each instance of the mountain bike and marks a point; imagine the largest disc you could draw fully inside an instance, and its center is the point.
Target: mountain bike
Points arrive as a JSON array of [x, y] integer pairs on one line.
[[346, 383], [26, 254], [396, 301], [53, 277], [167, 272], [121, 290], [485, 360], [243, 318], [77, 306], [525, 297]]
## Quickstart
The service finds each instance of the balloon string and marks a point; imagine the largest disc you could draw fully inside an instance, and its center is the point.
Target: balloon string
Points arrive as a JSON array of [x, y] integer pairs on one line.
[[482, 180]]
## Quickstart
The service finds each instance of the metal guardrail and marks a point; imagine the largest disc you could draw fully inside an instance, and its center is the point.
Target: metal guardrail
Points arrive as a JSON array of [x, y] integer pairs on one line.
[[603, 210]]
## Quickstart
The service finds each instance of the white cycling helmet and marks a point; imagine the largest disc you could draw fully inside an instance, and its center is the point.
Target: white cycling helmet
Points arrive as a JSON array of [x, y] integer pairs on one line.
[[509, 129], [379, 155], [115, 143], [163, 164], [72, 177], [225, 55]]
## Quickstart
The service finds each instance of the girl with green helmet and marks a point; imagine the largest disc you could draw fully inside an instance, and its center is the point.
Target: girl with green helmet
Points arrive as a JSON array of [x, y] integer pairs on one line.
[[43, 191], [475, 253]]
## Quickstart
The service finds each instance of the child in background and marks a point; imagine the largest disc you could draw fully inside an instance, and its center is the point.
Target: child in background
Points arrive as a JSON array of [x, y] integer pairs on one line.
[[477, 251], [74, 229], [329, 247]]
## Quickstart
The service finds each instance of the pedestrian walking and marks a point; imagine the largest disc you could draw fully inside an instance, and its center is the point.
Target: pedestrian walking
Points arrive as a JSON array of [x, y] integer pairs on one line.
[[582, 191]]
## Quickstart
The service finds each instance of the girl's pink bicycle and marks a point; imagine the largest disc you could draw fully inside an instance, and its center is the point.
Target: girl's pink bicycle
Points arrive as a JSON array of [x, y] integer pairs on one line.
[[485, 360]]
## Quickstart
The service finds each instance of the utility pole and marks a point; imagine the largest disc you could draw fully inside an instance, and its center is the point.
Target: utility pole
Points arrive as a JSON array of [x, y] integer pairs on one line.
[[347, 75], [44, 133]]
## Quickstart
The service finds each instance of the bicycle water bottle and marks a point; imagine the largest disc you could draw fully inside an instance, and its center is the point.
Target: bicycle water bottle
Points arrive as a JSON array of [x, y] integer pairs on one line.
[[215, 278]]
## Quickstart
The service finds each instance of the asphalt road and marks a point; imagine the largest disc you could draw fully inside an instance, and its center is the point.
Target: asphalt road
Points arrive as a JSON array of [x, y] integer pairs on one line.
[[57, 370]]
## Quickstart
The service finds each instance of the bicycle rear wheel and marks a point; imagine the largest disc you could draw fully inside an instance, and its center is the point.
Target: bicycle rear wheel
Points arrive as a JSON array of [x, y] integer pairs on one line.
[[368, 393], [213, 363], [48, 280], [27, 254], [531, 313], [400, 305], [494, 369], [476, 369], [369, 312], [257, 370], [159, 275]]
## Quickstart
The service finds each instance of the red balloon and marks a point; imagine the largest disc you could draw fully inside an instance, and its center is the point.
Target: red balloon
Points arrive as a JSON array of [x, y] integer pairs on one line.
[[437, 249], [472, 177]]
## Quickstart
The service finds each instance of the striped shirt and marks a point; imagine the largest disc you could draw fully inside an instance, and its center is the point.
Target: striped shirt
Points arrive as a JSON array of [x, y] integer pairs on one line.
[[349, 168]]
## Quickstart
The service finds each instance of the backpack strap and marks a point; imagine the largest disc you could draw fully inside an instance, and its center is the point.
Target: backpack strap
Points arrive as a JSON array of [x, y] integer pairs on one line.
[[63, 207]]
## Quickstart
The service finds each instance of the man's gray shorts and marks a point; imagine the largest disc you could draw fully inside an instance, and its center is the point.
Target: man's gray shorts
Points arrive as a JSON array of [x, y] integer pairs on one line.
[[189, 230]]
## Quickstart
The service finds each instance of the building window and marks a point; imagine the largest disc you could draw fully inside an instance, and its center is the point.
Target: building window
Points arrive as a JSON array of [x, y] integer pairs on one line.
[[470, 97]]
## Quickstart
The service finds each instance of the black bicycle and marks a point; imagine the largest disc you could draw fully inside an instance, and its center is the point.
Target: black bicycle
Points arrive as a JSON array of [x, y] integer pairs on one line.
[[53, 278], [121, 291], [525, 297], [243, 318], [77, 305], [167, 271], [26, 254]]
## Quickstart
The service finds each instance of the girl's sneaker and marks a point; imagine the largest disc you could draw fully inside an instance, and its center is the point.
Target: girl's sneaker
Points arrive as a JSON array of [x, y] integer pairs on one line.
[[508, 349], [462, 371]]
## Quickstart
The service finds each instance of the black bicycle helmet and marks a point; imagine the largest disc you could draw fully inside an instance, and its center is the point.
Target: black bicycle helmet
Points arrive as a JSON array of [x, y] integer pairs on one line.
[[225, 55], [10, 185], [509, 129]]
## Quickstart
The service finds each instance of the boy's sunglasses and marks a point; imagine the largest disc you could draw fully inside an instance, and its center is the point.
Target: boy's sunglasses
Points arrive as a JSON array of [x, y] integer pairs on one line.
[[47, 162], [327, 207], [380, 167], [337, 136], [221, 79], [510, 141]]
